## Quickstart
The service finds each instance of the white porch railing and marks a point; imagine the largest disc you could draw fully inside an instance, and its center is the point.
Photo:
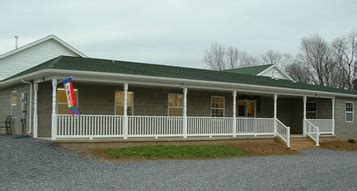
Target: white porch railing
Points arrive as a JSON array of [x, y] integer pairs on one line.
[[209, 126], [312, 131], [283, 132], [255, 126], [325, 125], [154, 126], [69, 126]]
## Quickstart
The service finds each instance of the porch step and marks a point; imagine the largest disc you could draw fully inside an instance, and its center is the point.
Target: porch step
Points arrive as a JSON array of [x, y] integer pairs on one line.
[[301, 143]]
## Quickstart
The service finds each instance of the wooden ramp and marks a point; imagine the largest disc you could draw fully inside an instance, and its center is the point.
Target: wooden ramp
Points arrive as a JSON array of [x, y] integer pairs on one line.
[[301, 143]]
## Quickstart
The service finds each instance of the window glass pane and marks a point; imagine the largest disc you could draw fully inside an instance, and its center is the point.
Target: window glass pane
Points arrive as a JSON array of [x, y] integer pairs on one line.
[[217, 102], [241, 109], [119, 98], [311, 115], [119, 110], [311, 106], [175, 100], [250, 109], [349, 116], [13, 98], [62, 109], [62, 97], [349, 106], [217, 112], [175, 111]]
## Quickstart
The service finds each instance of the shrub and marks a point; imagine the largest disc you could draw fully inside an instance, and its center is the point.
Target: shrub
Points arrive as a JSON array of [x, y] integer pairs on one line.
[[351, 141]]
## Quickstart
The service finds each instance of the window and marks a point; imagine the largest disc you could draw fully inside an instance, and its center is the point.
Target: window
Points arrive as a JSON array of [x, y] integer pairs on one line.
[[62, 104], [217, 106], [13, 103], [349, 111], [311, 109], [119, 103], [246, 108], [175, 104]]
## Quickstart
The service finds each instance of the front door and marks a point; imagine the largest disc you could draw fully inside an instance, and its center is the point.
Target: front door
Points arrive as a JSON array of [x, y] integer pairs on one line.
[[246, 108]]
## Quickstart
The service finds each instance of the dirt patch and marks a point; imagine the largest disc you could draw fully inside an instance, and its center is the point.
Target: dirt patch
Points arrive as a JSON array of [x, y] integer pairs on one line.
[[338, 144], [263, 147]]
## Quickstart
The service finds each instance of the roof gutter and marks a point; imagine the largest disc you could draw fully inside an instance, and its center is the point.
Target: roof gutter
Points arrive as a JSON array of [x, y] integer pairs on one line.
[[231, 86]]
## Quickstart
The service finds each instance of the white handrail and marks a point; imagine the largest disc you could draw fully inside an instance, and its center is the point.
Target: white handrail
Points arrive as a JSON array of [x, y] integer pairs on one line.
[[283, 132], [313, 131]]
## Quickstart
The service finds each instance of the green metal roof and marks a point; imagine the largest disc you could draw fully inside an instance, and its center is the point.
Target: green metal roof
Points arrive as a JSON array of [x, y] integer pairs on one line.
[[134, 68], [251, 70]]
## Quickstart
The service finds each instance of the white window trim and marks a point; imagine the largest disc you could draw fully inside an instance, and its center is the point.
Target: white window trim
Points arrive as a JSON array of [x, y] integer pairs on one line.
[[13, 115], [115, 102], [246, 101], [62, 89], [352, 112], [224, 105], [315, 112], [175, 107]]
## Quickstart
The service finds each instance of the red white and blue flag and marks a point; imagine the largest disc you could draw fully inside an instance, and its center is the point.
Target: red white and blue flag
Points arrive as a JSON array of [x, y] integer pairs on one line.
[[71, 96]]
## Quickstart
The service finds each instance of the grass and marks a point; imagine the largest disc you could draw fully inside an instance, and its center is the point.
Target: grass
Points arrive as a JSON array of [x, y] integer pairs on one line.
[[175, 152]]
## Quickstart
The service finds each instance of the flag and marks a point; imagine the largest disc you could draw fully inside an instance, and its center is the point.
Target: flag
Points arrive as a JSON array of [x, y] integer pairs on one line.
[[71, 97]]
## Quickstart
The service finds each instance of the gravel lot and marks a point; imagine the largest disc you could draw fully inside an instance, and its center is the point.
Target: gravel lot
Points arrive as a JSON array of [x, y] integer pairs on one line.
[[28, 164]]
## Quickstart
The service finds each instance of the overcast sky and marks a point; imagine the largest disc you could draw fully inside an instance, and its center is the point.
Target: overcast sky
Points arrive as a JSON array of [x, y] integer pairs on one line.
[[174, 32]]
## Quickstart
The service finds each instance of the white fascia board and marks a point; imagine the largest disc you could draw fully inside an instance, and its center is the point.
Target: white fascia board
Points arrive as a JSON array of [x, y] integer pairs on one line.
[[60, 41], [277, 68], [173, 82]]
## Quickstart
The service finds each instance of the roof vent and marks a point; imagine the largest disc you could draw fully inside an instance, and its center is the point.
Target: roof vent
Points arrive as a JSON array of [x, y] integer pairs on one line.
[[16, 41]]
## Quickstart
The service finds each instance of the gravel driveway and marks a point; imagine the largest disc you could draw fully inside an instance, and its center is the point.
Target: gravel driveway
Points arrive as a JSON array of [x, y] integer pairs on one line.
[[28, 164]]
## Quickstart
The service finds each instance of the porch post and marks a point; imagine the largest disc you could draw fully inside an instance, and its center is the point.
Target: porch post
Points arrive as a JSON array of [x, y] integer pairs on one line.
[[54, 109], [184, 113], [333, 116], [234, 113], [35, 114], [304, 122], [125, 125], [275, 113]]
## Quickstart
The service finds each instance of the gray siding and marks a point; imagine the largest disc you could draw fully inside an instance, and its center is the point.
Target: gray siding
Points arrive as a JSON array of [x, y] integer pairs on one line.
[[345, 129], [5, 105]]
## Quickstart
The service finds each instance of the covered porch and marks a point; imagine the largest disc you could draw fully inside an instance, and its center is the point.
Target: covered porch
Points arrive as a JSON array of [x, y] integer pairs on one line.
[[115, 109]]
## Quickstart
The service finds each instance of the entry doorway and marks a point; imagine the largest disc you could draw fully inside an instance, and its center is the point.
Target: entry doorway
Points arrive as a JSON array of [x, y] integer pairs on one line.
[[247, 108]]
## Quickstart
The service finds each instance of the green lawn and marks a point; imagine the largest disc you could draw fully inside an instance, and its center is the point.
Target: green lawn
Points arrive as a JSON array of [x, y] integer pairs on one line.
[[175, 152]]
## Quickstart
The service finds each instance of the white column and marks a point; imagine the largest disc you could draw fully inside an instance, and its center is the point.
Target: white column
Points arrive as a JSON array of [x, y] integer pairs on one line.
[[35, 114], [234, 113], [125, 130], [275, 112], [304, 122], [184, 112], [54, 109], [333, 116]]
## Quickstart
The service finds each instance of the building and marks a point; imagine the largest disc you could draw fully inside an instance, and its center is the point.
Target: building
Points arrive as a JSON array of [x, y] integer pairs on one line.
[[123, 100]]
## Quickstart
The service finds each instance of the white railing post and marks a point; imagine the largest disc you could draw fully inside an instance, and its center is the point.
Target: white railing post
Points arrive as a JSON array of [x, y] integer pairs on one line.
[[54, 109], [333, 116], [275, 113], [304, 121], [288, 136], [234, 122], [184, 114], [125, 127], [35, 114]]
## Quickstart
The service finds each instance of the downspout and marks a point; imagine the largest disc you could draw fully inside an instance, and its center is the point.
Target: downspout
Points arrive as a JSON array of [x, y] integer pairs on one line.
[[30, 113]]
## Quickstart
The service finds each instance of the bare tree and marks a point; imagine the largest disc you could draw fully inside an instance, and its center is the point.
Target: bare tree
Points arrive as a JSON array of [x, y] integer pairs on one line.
[[217, 57], [272, 57], [317, 60], [214, 57], [343, 50], [297, 72], [232, 56]]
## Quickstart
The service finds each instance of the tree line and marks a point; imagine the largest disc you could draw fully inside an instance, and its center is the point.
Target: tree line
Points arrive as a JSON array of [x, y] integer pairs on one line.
[[318, 61]]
